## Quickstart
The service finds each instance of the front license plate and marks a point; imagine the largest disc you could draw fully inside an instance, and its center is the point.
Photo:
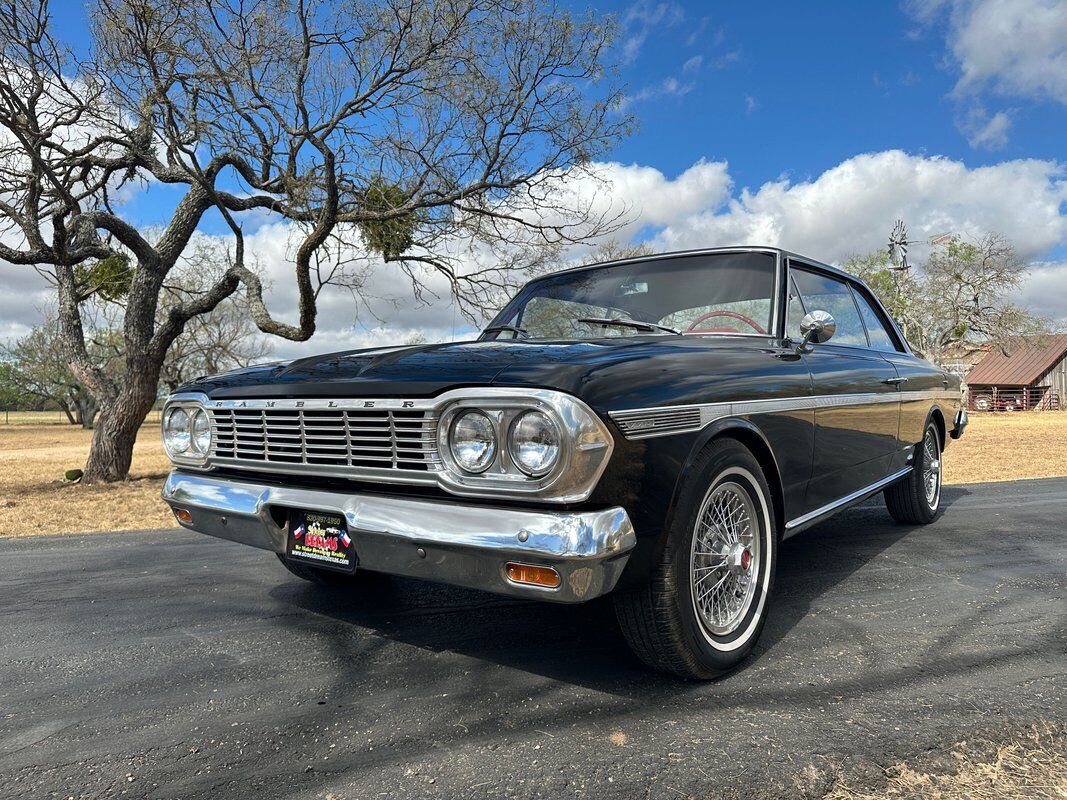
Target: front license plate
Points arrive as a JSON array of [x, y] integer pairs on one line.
[[321, 540]]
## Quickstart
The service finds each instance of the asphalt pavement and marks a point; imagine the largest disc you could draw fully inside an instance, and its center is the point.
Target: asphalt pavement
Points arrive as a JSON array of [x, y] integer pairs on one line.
[[168, 664]]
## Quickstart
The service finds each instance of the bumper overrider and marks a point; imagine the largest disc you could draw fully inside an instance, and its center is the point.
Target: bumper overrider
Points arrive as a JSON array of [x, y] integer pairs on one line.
[[959, 424], [450, 542]]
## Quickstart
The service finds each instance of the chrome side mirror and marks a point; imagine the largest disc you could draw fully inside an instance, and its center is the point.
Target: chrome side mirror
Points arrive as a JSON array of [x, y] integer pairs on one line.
[[817, 327]]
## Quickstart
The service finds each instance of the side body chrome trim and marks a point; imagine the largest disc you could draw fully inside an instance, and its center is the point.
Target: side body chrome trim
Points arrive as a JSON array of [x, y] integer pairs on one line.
[[856, 496], [644, 423]]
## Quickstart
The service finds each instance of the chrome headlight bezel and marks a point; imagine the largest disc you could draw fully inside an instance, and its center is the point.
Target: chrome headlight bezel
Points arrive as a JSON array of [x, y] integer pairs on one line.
[[199, 446], [585, 445], [194, 453], [489, 454]]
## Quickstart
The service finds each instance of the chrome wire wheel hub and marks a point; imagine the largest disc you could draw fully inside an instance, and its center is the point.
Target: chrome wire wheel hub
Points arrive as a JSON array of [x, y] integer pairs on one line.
[[725, 559], [931, 469]]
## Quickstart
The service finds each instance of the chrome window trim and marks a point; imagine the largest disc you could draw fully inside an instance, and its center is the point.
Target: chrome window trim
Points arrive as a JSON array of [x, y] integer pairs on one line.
[[779, 268], [645, 423], [587, 443], [851, 281]]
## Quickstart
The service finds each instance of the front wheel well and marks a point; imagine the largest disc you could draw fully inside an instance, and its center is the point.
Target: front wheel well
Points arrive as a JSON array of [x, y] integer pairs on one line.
[[759, 448]]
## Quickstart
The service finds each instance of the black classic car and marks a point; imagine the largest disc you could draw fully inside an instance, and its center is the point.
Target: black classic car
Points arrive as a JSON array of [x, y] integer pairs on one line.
[[652, 428]]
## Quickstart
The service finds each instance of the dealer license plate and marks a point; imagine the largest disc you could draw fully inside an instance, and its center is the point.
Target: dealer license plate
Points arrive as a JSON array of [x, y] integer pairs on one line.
[[321, 540]]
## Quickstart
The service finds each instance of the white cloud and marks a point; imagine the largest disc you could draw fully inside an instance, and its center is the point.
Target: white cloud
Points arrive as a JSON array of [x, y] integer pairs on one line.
[[985, 132], [751, 104], [1046, 289], [641, 19], [850, 208], [692, 65], [650, 198], [1013, 47], [668, 87], [697, 34], [845, 210]]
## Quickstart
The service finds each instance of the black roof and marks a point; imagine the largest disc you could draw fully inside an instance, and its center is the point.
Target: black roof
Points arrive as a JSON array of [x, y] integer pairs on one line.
[[708, 251]]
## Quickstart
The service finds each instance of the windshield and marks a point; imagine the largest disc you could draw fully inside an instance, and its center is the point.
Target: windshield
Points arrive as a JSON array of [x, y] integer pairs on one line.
[[725, 293]]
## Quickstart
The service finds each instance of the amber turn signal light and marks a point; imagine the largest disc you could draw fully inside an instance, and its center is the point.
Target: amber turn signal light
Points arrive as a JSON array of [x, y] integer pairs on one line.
[[184, 517], [533, 576]]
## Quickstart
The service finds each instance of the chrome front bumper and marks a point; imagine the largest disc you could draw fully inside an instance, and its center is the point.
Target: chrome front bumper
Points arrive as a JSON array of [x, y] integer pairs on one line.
[[466, 545]]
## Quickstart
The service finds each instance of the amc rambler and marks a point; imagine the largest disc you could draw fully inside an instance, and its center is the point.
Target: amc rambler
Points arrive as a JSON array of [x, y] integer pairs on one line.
[[650, 428]]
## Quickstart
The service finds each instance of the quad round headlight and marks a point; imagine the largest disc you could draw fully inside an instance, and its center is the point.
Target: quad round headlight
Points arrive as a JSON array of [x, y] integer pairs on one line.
[[177, 431], [534, 442], [472, 441], [201, 432]]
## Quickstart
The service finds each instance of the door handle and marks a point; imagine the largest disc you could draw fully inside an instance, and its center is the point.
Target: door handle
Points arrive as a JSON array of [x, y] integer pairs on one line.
[[895, 381]]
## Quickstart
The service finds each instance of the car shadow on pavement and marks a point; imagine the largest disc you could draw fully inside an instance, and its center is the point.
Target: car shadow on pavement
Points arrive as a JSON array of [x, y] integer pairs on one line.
[[581, 644]]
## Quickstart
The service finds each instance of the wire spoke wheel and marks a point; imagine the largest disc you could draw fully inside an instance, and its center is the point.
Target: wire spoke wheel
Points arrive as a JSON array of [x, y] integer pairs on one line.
[[931, 469], [725, 558]]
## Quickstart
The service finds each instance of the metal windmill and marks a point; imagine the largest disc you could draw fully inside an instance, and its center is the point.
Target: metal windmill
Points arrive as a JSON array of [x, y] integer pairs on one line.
[[898, 247], [899, 241]]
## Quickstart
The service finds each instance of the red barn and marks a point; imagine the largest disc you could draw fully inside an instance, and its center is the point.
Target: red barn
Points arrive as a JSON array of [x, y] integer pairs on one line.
[[1031, 374]]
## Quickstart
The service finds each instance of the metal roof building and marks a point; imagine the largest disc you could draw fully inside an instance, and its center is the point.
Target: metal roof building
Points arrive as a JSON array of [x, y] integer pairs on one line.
[[1033, 369]]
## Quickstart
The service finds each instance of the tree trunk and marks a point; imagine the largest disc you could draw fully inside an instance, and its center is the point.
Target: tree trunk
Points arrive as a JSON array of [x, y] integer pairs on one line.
[[111, 451], [87, 409]]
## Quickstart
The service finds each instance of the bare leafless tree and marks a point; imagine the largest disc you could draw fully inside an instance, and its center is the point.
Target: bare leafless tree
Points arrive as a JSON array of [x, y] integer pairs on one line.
[[399, 127], [221, 340], [963, 293]]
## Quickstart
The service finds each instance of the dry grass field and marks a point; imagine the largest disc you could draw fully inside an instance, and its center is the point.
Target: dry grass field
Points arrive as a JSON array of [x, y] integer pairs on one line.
[[1009, 446], [34, 499], [52, 418]]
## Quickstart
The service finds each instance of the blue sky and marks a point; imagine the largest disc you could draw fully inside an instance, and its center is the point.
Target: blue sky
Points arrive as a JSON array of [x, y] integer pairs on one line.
[[794, 88], [808, 125], [786, 88]]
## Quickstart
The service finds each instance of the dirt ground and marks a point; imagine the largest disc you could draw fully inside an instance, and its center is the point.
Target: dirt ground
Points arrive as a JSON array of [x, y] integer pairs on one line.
[[1009, 446], [1031, 765], [34, 499]]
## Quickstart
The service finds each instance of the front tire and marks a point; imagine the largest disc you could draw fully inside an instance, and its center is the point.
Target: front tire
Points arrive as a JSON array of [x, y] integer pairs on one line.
[[916, 500], [707, 601]]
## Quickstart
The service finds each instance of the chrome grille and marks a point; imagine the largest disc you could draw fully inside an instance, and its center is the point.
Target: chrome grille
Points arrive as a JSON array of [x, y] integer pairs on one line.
[[357, 438]]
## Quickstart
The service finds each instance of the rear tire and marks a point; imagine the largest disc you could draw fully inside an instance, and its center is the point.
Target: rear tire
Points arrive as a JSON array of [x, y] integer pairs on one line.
[[707, 600], [916, 500], [320, 577]]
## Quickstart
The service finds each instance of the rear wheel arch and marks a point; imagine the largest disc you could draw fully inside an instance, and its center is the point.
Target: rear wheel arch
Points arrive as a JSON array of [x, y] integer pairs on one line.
[[938, 419]]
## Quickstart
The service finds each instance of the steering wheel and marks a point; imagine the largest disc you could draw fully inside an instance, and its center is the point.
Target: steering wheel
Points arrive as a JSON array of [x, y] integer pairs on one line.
[[733, 314]]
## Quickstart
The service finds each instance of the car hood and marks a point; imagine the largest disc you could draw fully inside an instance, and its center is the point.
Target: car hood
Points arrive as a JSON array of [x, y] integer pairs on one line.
[[419, 370], [596, 369]]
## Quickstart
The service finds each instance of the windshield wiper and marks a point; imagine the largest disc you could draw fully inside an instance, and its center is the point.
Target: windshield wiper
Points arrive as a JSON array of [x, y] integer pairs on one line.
[[624, 322], [525, 334]]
